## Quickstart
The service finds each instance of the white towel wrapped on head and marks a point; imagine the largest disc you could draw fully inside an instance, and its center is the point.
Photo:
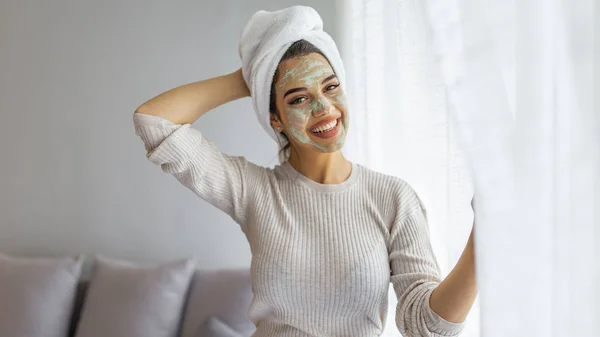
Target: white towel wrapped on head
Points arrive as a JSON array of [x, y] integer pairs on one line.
[[265, 39]]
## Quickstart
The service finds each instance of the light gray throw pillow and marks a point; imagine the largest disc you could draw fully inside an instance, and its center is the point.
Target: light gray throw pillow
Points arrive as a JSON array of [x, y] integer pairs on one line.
[[126, 300], [214, 327], [37, 295]]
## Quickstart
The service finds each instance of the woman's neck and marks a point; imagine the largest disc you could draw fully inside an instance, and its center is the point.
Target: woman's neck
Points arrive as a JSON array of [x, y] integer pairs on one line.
[[323, 168]]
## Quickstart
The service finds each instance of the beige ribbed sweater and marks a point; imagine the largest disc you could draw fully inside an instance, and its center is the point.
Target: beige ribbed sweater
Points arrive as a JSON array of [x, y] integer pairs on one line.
[[322, 255]]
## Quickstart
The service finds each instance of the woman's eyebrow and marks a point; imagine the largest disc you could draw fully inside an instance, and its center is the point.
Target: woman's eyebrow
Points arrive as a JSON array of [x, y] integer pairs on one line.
[[330, 77], [291, 91]]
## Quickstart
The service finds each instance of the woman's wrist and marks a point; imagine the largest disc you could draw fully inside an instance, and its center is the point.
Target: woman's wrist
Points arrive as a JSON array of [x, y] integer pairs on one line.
[[241, 88]]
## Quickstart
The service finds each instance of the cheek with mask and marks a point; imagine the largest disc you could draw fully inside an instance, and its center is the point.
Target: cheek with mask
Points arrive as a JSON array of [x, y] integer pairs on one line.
[[339, 99]]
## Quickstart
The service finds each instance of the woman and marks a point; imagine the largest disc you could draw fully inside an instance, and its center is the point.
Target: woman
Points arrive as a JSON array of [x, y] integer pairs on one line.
[[327, 235]]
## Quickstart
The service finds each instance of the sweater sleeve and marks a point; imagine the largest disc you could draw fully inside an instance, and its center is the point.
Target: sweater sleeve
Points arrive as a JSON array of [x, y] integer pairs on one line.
[[196, 162], [415, 274]]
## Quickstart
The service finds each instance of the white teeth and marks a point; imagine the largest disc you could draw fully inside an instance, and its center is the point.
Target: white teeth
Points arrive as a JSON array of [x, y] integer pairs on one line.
[[326, 127]]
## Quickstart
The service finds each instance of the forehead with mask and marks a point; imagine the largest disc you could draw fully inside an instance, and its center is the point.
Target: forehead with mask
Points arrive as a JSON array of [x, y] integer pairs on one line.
[[309, 103]]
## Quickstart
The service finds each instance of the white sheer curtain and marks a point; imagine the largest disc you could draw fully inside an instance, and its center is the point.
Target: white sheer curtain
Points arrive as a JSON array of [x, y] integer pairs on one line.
[[518, 81], [399, 121], [522, 78]]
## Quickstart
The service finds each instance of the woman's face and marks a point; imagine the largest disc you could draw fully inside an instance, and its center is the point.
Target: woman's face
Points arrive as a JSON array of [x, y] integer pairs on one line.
[[311, 104]]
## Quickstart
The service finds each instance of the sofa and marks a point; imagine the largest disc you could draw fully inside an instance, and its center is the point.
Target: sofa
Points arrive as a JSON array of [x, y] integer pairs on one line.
[[173, 299]]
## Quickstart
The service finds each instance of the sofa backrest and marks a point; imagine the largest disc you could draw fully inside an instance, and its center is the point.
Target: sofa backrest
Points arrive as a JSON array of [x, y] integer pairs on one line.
[[223, 293]]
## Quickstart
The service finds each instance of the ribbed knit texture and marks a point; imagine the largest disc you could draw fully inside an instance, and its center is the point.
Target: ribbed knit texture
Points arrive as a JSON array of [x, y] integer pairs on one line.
[[322, 255]]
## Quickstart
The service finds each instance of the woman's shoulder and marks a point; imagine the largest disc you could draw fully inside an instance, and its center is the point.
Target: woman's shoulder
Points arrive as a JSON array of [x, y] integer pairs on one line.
[[394, 189], [267, 174], [379, 179]]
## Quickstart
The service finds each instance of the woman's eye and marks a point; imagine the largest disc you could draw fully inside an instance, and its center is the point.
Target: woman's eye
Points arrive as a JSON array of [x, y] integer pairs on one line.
[[298, 100], [331, 87]]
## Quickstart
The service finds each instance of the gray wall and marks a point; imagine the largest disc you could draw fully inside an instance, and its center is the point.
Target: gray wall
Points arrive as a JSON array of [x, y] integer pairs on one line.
[[73, 176]]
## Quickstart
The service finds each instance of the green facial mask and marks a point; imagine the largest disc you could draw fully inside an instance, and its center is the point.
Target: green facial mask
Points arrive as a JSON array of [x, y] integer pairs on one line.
[[309, 73]]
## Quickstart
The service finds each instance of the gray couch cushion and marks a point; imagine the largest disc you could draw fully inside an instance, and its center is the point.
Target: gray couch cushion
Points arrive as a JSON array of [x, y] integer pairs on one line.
[[125, 300], [37, 295], [214, 327], [225, 294]]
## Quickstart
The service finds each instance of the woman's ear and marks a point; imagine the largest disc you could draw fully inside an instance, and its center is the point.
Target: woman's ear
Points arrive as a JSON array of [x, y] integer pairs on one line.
[[276, 123]]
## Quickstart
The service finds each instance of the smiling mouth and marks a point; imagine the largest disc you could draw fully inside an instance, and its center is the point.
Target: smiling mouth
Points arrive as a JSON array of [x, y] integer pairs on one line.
[[328, 130]]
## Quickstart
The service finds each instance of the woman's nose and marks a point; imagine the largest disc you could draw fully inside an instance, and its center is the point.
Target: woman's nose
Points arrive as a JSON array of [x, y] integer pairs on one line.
[[322, 107]]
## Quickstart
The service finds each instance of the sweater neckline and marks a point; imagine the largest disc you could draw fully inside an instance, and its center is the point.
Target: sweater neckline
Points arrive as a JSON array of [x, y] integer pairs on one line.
[[315, 186]]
